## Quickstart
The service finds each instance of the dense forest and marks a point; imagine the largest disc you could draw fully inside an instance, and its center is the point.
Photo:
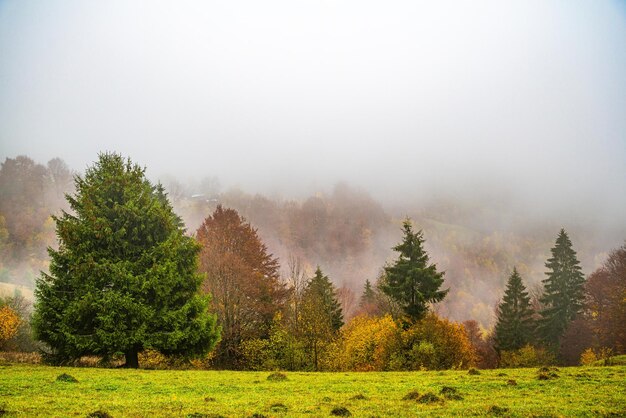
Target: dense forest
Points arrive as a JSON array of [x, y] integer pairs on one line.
[[312, 283]]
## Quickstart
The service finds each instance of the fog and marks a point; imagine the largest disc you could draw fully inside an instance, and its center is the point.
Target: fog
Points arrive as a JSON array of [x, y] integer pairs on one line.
[[516, 109]]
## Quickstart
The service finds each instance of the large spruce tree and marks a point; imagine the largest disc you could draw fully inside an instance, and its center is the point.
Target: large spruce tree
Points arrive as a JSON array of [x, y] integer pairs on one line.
[[412, 281], [563, 294], [124, 276], [515, 324]]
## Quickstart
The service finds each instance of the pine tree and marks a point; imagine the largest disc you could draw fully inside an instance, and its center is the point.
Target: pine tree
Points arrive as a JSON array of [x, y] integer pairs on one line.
[[563, 294], [321, 315], [124, 277], [515, 324], [411, 280]]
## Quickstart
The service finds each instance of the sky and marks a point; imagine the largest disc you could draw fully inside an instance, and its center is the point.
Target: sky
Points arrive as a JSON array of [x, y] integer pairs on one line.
[[525, 99]]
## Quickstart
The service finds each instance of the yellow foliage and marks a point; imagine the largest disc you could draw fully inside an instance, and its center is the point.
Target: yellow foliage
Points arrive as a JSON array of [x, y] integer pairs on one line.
[[368, 343], [588, 357], [9, 323], [152, 359]]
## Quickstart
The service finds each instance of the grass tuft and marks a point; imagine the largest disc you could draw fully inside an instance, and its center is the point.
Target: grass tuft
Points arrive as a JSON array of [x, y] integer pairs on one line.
[[411, 396], [278, 407], [498, 410], [99, 414], [473, 372], [429, 398], [511, 382], [341, 411], [450, 393], [277, 377], [66, 378]]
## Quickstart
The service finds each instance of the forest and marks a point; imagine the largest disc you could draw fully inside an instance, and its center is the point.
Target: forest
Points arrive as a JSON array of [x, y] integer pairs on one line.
[[167, 275]]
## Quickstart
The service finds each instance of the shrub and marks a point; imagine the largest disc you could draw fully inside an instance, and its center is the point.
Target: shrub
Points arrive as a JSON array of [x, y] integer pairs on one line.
[[435, 343], [588, 357], [367, 343], [9, 324], [527, 356]]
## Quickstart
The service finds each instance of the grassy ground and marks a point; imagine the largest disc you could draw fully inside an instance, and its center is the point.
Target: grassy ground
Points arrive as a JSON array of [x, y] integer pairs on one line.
[[27, 390]]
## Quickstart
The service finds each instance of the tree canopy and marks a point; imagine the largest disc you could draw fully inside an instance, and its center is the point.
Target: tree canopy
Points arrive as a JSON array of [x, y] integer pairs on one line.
[[124, 276], [411, 280], [243, 278]]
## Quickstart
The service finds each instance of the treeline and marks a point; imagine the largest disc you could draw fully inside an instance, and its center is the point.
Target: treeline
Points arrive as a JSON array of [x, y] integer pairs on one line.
[[126, 279], [345, 231]]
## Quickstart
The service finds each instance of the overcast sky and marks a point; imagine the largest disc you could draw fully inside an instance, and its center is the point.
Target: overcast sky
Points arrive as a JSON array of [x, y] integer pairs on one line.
[[396, 97]]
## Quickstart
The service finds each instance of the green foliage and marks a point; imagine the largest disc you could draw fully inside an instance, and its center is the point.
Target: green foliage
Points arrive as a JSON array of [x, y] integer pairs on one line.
[[124, 277], [434, 343], [321, 316], [563, 295], [527, 356], [515, 324], [411, 280]]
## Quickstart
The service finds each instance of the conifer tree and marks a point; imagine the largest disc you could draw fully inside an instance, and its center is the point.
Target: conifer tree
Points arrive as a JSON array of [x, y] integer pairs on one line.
[[124, 277], [321, 315], [515, 325], [563, 295], [411, 280], [368, 296]]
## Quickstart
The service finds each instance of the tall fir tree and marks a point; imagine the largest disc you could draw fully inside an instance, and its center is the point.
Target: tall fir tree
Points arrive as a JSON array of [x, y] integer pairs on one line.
[[124, 277], [563, 294], [412, 281], [515, 324]]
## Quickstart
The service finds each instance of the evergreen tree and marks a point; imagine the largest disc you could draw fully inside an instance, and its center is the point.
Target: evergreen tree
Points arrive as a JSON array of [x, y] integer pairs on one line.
[[321, 291], [563, 294], [321, 315], [124, 277], [515, 324], [411, 280], [368, 296]]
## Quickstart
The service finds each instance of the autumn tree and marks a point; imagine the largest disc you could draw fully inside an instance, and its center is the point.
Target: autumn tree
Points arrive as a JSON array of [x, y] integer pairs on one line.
[[9, 324], [321, 315], [243, 278], [368, 343], [563, 295], [125, 275], [23, 204], [606, 302], [515, 324], [411, 280]]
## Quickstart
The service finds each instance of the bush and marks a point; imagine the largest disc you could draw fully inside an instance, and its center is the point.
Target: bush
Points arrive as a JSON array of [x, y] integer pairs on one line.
[[588, 357], [367, 344], [527, 356], [435, 343]]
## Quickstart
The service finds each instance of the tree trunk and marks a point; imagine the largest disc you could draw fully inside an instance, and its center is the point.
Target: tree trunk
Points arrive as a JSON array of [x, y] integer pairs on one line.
[[132, 359]]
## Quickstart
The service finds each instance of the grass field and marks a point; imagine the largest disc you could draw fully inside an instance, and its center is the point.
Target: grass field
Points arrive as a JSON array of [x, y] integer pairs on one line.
[[27, 390]]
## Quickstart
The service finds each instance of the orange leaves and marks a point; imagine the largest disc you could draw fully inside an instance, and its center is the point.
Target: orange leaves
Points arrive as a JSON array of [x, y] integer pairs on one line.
[[9, 323]]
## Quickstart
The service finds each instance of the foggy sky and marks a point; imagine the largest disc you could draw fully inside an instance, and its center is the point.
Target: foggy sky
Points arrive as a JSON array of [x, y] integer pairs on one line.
[[404, 98]]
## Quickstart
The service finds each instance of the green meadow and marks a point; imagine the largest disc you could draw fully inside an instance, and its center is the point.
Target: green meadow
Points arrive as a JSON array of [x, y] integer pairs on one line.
[[34, 390]]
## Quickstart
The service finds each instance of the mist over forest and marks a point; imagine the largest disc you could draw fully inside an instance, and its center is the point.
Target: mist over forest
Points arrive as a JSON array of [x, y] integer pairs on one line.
[[492, 125], [343, 229]]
